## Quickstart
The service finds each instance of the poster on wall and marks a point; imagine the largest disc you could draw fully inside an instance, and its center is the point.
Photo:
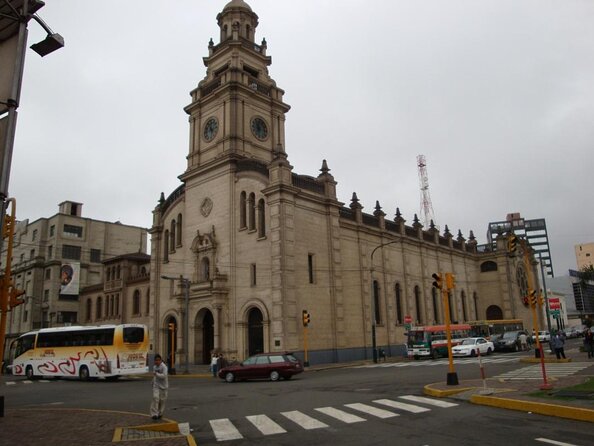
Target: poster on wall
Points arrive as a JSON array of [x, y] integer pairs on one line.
[[69, 280]]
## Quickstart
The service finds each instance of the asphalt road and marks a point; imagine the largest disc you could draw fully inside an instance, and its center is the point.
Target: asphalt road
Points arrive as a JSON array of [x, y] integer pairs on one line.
[[319, 407]]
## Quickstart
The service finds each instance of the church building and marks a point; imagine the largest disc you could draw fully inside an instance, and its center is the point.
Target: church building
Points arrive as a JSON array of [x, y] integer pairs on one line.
[[245, 245]]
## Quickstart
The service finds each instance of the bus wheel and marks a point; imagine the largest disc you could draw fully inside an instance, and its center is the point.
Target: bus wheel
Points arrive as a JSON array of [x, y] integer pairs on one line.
[[83, 373], [435, 354], [29, 373]]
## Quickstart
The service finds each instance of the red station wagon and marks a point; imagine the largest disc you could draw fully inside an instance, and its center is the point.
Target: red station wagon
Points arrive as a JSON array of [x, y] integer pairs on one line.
[[262, 366]]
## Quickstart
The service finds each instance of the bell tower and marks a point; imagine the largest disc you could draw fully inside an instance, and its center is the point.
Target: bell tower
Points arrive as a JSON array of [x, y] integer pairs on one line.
[[237, 111]]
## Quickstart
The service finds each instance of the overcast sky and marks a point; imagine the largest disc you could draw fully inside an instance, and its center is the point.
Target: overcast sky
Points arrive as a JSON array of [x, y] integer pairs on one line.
[[498, 95]]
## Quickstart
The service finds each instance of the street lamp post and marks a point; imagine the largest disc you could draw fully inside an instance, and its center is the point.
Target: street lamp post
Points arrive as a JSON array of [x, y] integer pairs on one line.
[[186, 284], [373, 291], [546, 297]]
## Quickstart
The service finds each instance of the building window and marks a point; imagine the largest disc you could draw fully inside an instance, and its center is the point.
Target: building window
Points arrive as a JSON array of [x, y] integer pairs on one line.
[[22, 257], [73, 231], [46, 295], [34, 235], [117, 305], [464, 314], [310, 267], [48, 274], [376, 303], [418, 307], [205, 268], [172, 237], [475, 299], [107, 312], [253, 280], [71, 252], [32, 254], [435, 305], [399, 317], [252, 212], [50, 252], [136, 303], [261, 218], [242, 214], [118, 272], [148, 301], [95, 255], [166, 247], [488, 266], [89, 306], [52, 230], [178, 233], [450, 296], [25, 315], [99, 307]]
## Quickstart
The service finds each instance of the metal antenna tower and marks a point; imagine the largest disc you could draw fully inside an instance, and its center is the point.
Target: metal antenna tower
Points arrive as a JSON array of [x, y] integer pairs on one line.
[[426, 206]]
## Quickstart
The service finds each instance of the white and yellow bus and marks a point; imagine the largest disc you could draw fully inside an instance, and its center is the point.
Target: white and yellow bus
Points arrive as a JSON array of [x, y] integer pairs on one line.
[[104, 351]]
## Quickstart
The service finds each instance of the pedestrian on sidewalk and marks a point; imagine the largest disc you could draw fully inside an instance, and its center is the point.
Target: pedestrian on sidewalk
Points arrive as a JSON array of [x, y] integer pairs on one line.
[[589, 343], [160, 387], [214, 359], [557, 344], [524, 341]]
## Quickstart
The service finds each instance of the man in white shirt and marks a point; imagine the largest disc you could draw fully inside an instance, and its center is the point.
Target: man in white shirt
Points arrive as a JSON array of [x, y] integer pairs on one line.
[[160, 386]]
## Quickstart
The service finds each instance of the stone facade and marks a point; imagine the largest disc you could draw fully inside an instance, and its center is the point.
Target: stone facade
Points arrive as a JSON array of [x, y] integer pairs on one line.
[[256, 243]]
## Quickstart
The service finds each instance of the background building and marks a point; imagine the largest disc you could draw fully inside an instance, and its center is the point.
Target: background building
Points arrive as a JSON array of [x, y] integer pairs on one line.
[[534, 231], [584, 255], [54, 258]]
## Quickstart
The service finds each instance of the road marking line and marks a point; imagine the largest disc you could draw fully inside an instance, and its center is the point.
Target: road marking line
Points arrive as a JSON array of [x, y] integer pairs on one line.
[[305, 421], [27, 382], [420, 399], [225, 430], [340, 415], [403, 406], [265, 425], [10, 383], [380, 413], [558, 443]]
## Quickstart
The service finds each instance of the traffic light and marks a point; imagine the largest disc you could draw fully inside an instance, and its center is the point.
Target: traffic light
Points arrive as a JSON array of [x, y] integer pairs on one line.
[[13, 297], [532, 297], [7, 228], [512, 244], [437, 280], [171, 326], [540, 298], [450, 281], [306, 318]]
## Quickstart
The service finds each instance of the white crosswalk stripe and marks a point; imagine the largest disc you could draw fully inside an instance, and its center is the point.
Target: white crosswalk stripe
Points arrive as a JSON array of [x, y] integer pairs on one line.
[[534, 372], [380, 413], [430, 401], [340, 415], [265, 425], [303, 420], [440, 362], [225, 430]]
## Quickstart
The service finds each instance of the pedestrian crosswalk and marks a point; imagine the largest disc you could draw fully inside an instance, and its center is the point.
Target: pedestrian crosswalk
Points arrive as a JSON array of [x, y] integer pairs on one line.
[[225, 429], [555, 370], [438, 362]]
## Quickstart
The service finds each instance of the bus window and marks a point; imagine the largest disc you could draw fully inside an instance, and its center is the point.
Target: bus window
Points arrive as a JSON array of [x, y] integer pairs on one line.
[[133, 335], [23, 344]]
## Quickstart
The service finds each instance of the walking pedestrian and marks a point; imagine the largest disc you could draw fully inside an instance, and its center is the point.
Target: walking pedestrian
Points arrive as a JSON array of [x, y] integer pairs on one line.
[[524, 341], [214, 359], [589, 342], [160, 386], [557, 344]]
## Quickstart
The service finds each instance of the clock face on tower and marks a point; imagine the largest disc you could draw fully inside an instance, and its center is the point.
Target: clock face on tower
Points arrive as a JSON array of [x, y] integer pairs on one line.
[[210, 129], [259, 128]]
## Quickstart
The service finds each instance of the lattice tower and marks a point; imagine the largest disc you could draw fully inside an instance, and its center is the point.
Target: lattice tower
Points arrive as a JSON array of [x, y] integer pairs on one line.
[[426, 206]]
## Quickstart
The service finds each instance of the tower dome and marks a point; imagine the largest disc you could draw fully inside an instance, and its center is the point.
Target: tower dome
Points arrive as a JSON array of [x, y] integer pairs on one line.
[[237, 4]]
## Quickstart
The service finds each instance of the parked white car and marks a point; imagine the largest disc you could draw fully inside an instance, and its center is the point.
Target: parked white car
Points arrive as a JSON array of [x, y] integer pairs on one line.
[[471, 347], [543, 336]]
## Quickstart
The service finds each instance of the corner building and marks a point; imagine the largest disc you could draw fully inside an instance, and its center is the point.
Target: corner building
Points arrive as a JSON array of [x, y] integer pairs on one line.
[[256, 243]]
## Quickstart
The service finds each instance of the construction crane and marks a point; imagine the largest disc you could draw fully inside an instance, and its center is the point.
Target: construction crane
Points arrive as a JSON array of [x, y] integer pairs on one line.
[[426, 206]]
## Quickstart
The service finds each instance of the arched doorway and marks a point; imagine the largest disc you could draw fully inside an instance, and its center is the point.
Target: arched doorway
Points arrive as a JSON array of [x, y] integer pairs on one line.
[[207, 336], [255, 332], [171, 344], [494, 313]]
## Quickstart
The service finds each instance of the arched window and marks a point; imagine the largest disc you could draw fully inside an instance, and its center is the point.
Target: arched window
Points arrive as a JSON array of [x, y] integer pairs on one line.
[[376, 303], [242, 214], [117, 305], [166, 246], [89, 307], [247, 31], [464, 313], [172, 237], [148, 301], [488, 266], [450, 308], [99, 307], [475, 300], [143, 271], [261, 218], [435, 305], [418, 307], [205, 268], [252, 211], [112, 307], [399, 317], [178, 233], [136, 303], [118, 272]]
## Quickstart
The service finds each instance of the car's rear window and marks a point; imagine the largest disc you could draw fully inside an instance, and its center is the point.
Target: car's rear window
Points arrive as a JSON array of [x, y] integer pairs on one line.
[[292, 358], [276, 359]]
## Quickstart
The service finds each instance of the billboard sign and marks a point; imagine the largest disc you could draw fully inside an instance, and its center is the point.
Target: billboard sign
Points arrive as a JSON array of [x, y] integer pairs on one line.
[[554, 303], [69, 280]]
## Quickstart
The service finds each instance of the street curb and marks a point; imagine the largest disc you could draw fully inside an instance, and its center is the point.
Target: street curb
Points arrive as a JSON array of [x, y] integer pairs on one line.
[[428, 390], [554, 410]]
